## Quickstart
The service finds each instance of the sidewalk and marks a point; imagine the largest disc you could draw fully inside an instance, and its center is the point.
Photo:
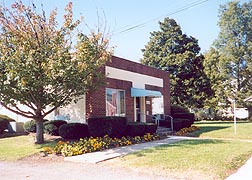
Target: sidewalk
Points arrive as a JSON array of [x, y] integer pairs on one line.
[[244, 173], [100, 156]]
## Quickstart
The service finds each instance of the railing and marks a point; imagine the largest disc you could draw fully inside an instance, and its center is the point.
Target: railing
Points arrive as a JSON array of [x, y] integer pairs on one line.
[[158, 117]]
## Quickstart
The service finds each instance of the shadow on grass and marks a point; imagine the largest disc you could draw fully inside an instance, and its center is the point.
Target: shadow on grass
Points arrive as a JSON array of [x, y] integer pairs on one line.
[[205, 129], [8, 135], [219, 122]]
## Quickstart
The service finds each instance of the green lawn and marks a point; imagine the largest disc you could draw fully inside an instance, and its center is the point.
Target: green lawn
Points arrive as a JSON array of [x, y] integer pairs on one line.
[[206, 158], [14, 148], [219, 129]]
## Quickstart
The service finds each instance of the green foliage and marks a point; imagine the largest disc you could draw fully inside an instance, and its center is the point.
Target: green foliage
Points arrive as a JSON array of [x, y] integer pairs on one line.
[[7, 118], [52, 127], [180, 124], [189, 116], [135, 129], [112, 126], [178, 109], [150, 128], [3, 125], [171, 50], [43, 63], [30, 126], [73, 131], [228, 64]]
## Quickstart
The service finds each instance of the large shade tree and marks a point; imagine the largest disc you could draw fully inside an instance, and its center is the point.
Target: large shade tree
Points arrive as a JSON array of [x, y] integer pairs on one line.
[[44, 65], [234, 46], [172, 50]]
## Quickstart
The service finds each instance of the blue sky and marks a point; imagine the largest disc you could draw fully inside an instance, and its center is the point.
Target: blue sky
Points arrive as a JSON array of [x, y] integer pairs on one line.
[[199, 21]]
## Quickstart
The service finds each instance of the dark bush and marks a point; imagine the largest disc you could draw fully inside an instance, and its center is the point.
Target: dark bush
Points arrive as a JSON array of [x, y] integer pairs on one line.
[[150, 128], [3, 125], [181, 123], [7, 118], [30, 126], [189, 116], [112, 126], [178, 109], [52, 127], [135, 129], [73, 131]]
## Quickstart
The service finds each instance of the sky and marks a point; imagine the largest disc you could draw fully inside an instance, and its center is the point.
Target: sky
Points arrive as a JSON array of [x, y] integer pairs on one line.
[[129, 22]]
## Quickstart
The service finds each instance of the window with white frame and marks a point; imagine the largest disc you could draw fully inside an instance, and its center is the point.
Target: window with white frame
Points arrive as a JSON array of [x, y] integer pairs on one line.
[[115, 102]]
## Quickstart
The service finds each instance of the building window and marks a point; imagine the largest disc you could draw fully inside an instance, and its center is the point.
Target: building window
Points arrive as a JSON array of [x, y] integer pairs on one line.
[[115, 102]]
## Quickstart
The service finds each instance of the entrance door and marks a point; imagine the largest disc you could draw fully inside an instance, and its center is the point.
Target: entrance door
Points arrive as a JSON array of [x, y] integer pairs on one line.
[[138, 112], [140, 115]]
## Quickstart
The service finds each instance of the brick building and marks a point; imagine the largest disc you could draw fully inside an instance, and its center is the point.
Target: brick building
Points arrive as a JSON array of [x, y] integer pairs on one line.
[[130, 90]]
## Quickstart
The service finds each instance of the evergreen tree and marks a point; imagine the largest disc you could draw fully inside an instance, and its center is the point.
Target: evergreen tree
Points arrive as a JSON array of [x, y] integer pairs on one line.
[[178, 53]]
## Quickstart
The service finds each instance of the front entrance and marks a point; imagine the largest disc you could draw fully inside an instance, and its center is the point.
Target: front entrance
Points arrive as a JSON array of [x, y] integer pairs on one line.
[[139, 104]]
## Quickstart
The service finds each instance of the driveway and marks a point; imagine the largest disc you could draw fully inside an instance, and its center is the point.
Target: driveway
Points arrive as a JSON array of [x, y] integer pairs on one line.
[[60, 170]]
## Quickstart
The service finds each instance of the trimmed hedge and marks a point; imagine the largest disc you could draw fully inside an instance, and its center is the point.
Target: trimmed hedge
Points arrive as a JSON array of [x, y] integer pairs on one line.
[[73, 131], [178, 109], [189, 116], [150, 128], [135, 129], [3, 125], [180, 124], [113, 126], [52, 127]]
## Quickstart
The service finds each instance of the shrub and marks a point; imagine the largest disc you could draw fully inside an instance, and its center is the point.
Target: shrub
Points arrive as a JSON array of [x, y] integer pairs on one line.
[[30, 126], [7, 118], [180, 124], [3, 125], [189, 116], [112, 126], [52, 127], [178, 109], [135, 129], [73, 131], [150, 128]]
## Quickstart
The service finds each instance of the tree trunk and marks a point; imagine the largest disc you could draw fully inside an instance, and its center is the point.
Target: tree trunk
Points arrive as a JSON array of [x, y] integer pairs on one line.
[[39, 131]]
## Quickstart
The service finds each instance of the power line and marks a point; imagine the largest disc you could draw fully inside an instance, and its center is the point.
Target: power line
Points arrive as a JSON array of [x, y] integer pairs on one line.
[[140, 25]]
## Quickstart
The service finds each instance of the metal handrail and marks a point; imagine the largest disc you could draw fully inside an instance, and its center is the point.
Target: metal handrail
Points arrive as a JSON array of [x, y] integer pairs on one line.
[[171, 121], [157, 119]]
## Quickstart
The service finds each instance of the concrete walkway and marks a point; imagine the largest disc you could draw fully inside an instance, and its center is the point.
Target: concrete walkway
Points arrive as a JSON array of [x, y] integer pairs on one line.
[[244, 173], [100, 156]]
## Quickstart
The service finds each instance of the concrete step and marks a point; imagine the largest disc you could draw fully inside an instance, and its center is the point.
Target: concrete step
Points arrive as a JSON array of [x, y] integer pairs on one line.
[[163, 130]]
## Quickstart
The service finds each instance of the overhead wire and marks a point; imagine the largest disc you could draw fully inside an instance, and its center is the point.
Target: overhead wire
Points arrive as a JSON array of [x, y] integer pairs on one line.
[[140, 25]]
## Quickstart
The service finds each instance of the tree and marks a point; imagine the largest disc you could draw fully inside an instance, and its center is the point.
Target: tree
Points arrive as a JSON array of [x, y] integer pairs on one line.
[[41, 67], [216, 73], [172, 50], [234, 45]]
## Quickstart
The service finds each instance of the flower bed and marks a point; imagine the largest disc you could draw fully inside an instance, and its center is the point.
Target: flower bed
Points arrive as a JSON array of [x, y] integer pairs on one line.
[[186, 131], [88, 145]]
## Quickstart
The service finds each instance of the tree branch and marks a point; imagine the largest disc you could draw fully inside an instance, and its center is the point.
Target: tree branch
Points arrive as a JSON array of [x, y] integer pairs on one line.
[[19, 112]]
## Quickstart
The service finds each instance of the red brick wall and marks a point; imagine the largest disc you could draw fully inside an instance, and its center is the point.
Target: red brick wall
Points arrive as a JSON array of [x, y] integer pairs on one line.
[[96, 101]]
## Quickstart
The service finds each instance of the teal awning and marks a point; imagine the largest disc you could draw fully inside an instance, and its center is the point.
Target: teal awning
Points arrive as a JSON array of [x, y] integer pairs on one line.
[[135, 92]]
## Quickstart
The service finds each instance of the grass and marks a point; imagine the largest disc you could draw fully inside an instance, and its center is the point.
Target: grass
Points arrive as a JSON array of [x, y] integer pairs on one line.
[[219, 129], [205, 158], [14, 148]]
